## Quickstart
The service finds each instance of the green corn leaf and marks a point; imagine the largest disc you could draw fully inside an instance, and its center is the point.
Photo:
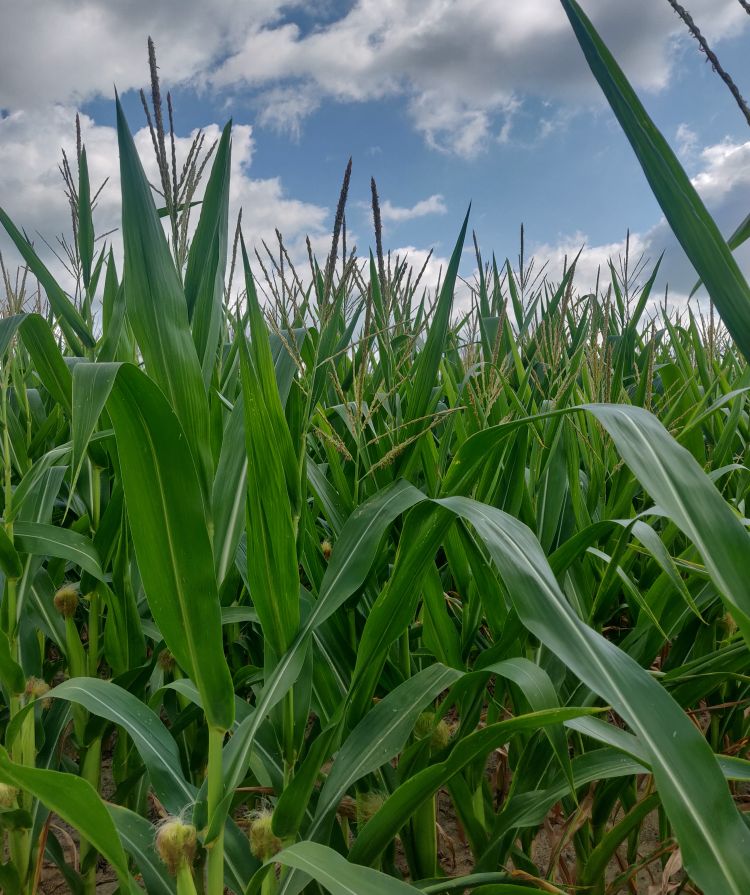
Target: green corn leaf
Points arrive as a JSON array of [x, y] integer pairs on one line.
[[40, 539], [8, 329], [168, 524], [228, 497], [10, 562], [48, 362], [334, 872], [354, 552], [113, 314], [156, 305], [273, 486], [77, 803], [496, 882], [402, 804], [349, 565], [293, 802], [212, 224], [732, 767], [528, 809], [70, 320], [427, 365], [85, 222], [92, 384], [11, 673], [151, 738], [689, 780], [272, 568], [378, 737], [687, 216], [675, 480], [137, 836], [423, 532], [264, 368], [207, 259], [738, 237], [96, 272], [163, 211]]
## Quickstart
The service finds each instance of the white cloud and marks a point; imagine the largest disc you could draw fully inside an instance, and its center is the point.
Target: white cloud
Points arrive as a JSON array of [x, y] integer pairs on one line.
[[31, 186], [390, 213], [687, 141], [433, 267], [461, 65], [724, 185], [68, 51]]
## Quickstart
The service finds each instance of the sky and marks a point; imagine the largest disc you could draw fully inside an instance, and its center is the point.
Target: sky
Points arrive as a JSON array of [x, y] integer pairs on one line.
[[444, 102]]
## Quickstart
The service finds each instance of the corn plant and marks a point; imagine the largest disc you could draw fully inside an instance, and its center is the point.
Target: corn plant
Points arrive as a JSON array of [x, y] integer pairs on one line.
[[292, 579]]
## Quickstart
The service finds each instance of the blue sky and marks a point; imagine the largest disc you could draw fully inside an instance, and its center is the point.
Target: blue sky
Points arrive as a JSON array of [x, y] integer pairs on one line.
[[443, 101]]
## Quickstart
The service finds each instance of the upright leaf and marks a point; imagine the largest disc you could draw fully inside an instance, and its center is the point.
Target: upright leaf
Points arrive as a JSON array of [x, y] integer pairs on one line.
[[156, 305], [85, 222], [691, 223], [272, 569], [62, 307], [168, 524], [207, 259]]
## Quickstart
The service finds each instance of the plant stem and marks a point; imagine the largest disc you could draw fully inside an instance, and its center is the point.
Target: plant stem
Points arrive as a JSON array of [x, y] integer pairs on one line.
[[20, 840], [93, 632], [90, 770], [405, 654], [185, 881], [215, 786], [289, 757], [424, 826], [269, 886]]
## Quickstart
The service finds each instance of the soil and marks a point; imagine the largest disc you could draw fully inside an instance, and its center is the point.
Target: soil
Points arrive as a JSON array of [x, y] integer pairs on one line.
[[454, 852]]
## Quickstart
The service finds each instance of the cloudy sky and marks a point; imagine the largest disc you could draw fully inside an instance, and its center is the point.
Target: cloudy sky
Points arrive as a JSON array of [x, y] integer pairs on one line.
[[443, 101]]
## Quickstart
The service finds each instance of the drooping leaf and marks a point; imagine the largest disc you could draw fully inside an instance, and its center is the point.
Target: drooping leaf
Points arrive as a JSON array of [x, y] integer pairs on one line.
[[77, 803], [676, 749], [153, 741], [40, 539], [335, 873]]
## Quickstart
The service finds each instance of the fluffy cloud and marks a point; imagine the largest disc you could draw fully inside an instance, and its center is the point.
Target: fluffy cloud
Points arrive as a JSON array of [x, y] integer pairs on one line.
[[723, 183], [68, 51], [31, 187], [390, 213], [433, 267], [687, 141], [461, 65]]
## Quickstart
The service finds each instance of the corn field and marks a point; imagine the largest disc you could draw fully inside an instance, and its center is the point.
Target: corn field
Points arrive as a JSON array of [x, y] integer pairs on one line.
[[311, 590]]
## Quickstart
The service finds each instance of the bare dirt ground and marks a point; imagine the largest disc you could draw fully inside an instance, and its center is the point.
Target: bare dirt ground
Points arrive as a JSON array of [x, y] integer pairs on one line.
[[551, 850]]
